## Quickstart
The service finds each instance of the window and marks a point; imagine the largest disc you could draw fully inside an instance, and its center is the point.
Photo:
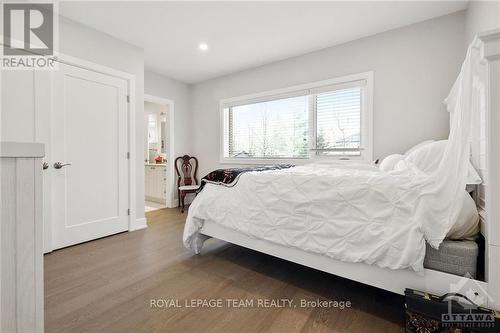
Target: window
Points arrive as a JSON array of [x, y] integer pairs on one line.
[[338, 122], [328, 119], [271, 129]]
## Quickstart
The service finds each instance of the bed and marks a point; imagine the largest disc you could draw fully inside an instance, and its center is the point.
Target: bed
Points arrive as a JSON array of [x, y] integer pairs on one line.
[[213, 214], [346, 211], [352, 251]]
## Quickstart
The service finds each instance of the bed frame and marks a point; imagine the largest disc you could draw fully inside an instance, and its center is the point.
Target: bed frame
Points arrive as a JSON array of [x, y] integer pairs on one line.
[[486, 137]]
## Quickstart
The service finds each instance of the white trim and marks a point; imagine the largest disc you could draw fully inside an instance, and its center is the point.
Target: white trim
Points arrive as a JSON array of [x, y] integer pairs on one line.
[[170, 201], [73, 61], [139, 224], [132, 149], [309, 88], [489, 47], [130, 78], [175, 203]]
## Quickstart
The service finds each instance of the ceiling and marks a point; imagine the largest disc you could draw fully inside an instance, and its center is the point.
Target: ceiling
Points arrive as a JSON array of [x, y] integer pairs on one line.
[[242, 35]]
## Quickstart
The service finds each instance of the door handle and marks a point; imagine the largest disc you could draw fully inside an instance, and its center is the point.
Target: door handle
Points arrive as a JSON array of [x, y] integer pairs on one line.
[[59, 165], [45, 165]]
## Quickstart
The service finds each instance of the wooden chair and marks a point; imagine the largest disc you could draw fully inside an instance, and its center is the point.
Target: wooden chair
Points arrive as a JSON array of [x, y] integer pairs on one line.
[[187, 182]]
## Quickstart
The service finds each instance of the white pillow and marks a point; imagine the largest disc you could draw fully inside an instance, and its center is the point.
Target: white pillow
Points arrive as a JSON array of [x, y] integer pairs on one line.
[[415, 147], [427, 158], [390, 161], [467, 223]]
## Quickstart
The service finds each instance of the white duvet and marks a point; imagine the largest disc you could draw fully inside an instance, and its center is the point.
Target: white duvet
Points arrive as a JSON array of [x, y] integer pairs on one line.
[[351, 213]]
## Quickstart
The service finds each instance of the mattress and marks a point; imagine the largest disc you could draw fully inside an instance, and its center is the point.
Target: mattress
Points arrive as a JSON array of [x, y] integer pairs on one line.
[[457, 257]]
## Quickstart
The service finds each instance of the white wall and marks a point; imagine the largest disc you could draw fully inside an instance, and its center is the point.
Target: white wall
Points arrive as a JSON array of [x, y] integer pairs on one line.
[[180, 93], [415, 67], [161, 86], [18, 112], [481, 16], [17, 122]]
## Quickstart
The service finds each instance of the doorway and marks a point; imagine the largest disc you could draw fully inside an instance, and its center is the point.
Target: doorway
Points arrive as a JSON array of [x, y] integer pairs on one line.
[[83, 111], [158, 153]]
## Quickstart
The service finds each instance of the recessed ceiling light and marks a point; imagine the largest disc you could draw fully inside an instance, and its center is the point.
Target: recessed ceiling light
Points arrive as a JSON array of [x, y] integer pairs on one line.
[[203, 46]]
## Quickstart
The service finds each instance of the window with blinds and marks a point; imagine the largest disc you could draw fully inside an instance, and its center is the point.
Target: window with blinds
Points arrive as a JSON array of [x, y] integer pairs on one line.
[[267, 130], [338, 122], [321, 120]]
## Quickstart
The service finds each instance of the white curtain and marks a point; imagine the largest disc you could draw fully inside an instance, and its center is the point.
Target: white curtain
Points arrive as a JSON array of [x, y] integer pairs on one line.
[[442, 191]]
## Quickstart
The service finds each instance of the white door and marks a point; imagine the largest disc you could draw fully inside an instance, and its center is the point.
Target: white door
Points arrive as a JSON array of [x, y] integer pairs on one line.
[[89, 140]]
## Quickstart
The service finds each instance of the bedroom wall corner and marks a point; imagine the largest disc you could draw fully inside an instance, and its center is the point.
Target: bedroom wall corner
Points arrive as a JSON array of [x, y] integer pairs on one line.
[[414, 69], [162, 86], [159, 85]]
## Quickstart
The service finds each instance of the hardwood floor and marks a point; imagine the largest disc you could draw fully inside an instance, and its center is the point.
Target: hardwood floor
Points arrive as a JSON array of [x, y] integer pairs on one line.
[[107, 286]]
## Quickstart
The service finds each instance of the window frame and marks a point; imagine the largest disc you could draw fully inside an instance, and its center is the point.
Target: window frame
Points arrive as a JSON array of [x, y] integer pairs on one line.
[[336, 83]]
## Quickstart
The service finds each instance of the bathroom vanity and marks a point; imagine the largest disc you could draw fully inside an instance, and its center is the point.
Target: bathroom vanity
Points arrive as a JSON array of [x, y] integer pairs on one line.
[[155, 182]]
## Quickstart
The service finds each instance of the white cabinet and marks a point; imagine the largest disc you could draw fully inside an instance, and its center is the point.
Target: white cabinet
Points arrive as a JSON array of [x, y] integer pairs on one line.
[[21, 241], [156, 182]]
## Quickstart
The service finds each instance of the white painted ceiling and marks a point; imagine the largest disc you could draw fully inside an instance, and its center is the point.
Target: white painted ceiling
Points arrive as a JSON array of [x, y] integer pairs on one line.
[[243, 35]]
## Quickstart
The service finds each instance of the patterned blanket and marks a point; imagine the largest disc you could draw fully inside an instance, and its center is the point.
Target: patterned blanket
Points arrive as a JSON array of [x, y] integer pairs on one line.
[[229, 177]]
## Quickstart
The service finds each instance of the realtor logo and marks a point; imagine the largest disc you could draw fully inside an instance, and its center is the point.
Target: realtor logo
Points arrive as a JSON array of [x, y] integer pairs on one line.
[[28, 28], [29, 35], [463, 310]]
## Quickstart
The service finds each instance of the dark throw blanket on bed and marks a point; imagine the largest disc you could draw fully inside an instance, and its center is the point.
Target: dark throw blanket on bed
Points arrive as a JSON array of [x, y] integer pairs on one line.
[[229, 177]]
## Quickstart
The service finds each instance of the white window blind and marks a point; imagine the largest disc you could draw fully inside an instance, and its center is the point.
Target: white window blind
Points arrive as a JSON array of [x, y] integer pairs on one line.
[[338, 122], [270, 129]]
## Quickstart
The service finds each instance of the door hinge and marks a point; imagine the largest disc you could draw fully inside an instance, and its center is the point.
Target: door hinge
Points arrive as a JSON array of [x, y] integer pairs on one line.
[[128, 155], [128, 211], [128, 98]]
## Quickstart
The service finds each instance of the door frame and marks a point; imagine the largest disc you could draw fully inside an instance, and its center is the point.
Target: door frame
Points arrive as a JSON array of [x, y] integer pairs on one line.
[[171, 201], [133, 222]]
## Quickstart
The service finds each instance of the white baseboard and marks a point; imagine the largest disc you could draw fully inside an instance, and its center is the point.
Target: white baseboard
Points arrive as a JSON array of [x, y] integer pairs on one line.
[[174, 204], [187, 201], [139, 224]]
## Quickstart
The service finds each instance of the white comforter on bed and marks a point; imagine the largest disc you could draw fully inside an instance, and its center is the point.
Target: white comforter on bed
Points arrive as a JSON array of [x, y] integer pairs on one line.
[[353, 213], [350, 213]]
